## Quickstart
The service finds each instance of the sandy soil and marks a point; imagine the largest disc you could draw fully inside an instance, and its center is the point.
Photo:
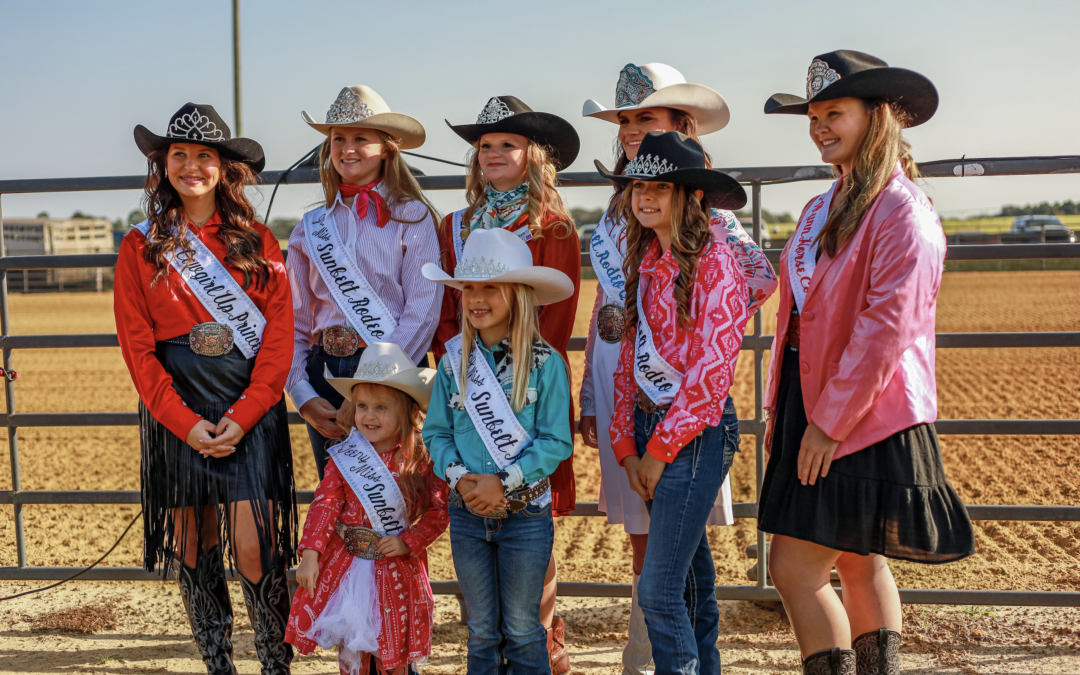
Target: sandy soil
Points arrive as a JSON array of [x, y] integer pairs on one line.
[[992, 383]]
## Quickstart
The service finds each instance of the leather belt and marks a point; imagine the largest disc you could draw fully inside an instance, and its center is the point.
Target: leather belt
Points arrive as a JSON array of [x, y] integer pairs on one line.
[[646, 405], [518, 500], [207, 339], [340, 341], [362, 542]]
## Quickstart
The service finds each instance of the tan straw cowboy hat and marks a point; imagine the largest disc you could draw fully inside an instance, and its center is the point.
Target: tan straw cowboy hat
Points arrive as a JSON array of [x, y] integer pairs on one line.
[[656, 85], [360, 106], [385, 363]]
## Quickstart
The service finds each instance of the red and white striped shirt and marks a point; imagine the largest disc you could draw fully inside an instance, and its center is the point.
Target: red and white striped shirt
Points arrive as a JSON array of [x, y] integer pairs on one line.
[[706, 352], [390, 258]]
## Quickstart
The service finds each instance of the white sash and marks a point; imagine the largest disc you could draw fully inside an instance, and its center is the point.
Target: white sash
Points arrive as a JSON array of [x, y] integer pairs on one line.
[[657, 378], [488, 407], [374, 485], [218, 292], [802, 257], [457, 227], [607, 260], [354, 296]]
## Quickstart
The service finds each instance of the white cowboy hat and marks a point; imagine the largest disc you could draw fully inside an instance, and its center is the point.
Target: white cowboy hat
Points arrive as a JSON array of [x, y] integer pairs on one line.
[[502, 257], [386, 363], [360, 106], [656, 85]]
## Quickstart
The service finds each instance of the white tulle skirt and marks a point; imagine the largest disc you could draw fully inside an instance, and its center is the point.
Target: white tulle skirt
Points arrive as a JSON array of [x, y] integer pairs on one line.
[[351, 620]]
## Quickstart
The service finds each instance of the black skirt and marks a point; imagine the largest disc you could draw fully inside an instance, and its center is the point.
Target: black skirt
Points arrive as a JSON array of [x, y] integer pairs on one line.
[[891, 498], [176, 476]]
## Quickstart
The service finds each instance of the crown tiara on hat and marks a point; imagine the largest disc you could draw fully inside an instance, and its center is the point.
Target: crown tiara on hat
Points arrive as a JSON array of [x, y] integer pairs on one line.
[[348, 108], [494, 111], [376, 370], [634, 87], [195, 126], [648, 165], [819, 76], [482, 268]]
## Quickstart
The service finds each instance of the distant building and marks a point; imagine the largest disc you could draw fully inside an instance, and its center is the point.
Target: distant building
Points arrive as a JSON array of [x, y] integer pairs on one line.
[[48, 236]]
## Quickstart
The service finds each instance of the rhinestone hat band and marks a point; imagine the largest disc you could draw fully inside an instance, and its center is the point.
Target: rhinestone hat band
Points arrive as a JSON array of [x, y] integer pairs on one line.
[[818, 77], [348, 108], [479, 268], [375, 370], [494, 111], [633, 87], [648, 165], [195, 126]]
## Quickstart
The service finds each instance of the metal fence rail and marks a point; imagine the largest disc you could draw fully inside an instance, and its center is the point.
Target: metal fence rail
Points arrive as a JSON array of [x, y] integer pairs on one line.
[[757, 342]]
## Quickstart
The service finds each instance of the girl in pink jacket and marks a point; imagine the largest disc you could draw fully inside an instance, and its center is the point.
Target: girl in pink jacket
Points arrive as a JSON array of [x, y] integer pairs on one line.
[[855, 473]]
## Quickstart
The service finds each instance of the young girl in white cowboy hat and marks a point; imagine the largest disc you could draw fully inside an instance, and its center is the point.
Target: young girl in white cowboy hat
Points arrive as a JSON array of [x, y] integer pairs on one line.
[[512, 186], [674, 429], [355, 261], [855, 473], [650, 97], [497, 429], [363, 570]]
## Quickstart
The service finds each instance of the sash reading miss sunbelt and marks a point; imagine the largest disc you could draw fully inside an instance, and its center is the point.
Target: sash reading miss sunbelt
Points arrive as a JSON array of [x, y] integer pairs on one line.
[[607, 260], [488, 408], [374, 485], [802, 257], [217, 291], [357, 300], [657, 378]]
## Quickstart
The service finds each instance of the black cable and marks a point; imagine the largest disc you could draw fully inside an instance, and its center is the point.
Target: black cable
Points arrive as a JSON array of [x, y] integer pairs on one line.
[[282, 176], [434, 159], [82, 571]]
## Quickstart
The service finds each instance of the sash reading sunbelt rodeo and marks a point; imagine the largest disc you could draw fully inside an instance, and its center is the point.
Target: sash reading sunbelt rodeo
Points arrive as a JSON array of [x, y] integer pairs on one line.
[[357, 300], [802, 258], [374, 485], [607, 261], [487, 405], [217, 291], [657, 378]]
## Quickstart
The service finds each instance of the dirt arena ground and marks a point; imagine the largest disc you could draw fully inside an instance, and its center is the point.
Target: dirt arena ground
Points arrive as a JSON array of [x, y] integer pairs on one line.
[[139, 625]]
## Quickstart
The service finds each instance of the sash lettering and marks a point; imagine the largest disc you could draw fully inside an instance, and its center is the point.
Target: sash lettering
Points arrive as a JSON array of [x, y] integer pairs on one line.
[[657, 378], [802, 257], [354, 296], [217, 291], [607, 259], [373, 483]]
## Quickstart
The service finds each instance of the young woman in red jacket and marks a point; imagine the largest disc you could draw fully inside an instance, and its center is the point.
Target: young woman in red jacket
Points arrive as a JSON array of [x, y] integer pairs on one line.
[[204, 318]]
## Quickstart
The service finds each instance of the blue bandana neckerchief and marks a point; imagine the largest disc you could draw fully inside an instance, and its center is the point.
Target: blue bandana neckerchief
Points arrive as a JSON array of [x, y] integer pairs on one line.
[[501, 209]]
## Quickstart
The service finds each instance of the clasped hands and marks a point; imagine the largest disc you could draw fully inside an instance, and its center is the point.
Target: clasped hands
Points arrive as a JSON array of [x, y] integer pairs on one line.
[[307, 573], [215, 440], [644, 474], [483, 492]]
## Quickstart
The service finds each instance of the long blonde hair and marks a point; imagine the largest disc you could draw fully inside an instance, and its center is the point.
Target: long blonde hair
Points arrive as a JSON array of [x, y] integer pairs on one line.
[[544, 198], [876, 157], [400, 184], [690, 236], [524, 330]]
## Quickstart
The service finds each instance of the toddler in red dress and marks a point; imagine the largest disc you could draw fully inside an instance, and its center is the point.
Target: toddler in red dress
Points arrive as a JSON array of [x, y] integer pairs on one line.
[[363, 570]]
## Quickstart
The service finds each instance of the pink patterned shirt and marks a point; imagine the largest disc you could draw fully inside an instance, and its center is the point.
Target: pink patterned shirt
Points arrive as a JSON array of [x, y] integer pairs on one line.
[[706, 352]]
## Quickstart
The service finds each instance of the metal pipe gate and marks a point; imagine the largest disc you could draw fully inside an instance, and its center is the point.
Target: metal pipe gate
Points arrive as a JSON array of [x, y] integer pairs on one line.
[[757, 342]]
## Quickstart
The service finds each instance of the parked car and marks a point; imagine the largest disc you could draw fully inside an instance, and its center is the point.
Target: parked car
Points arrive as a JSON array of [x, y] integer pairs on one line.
[[1055, 230], [585, 233], [765, 240]]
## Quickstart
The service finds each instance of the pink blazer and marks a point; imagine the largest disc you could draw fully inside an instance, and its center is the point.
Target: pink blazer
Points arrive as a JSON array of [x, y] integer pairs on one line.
[[867, 344]]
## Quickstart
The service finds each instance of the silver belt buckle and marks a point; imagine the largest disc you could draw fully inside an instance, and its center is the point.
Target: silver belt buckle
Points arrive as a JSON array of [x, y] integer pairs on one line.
[[360, 541], [211, 339], [610, 322], [340, 341]]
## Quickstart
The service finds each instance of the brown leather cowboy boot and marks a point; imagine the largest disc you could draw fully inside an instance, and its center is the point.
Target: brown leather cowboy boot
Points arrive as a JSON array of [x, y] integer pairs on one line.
[[878, 652], [830, 662], [556, 645]]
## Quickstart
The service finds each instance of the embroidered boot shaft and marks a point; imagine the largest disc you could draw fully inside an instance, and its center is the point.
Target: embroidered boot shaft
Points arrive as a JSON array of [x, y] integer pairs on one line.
[[556, 645], [268, 604], [877, 652], [830, 662], [209, 611]]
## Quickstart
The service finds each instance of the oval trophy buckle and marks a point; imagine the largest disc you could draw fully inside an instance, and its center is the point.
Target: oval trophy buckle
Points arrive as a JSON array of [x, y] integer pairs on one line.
[[211, 339]]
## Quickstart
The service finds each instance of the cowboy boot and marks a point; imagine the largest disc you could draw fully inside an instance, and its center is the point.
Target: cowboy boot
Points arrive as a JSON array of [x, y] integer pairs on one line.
[[637, 655], [556, 645], [268, 604], [830, 662], [209, 611], [877, 652]]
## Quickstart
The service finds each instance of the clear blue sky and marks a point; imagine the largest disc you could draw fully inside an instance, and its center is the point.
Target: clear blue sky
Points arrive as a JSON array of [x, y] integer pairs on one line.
[[78, 76]]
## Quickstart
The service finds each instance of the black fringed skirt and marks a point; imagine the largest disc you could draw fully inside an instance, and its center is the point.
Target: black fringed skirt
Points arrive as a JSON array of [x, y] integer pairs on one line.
[[891, 498], [258, 475]]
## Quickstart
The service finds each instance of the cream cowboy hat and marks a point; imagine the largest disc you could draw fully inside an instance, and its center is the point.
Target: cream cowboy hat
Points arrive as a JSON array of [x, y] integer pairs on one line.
[[656, 85], [502, 257], [361, 107], [385, 363]]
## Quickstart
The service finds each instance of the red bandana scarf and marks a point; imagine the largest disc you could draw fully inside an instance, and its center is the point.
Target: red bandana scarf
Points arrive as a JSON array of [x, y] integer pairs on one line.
[[365, 195]]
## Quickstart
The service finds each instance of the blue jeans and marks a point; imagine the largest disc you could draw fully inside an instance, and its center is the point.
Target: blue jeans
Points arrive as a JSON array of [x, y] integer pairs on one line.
[[677, 589], [501, 565]]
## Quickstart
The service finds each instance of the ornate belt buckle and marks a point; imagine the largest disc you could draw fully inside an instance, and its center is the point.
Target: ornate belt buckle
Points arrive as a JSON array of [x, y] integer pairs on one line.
[[645, 403], [340, 341], [211, 339], [610, 323], [496, 514], [360, 541]]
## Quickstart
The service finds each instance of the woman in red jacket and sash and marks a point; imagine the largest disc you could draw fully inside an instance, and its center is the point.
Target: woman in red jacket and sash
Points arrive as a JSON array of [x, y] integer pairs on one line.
[[204, 318]]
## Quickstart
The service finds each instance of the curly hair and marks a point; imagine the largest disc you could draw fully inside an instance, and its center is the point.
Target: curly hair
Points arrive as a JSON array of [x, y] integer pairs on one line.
[[243, 244]]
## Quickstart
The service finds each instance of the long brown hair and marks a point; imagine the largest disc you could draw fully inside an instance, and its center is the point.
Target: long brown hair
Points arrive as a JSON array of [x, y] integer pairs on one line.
[[397, 179], [876, 157], [243, 244], [412, 455], [682, 122], [544, 197], [690, 236]]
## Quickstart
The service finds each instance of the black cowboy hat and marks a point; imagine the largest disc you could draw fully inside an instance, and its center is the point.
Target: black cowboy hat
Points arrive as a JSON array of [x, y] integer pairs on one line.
[[508, 115], [847, 73], [673, 157], [200, 123]]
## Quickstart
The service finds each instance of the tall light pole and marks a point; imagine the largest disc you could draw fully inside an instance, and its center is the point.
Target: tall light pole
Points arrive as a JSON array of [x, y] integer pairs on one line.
[[237, 104]]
